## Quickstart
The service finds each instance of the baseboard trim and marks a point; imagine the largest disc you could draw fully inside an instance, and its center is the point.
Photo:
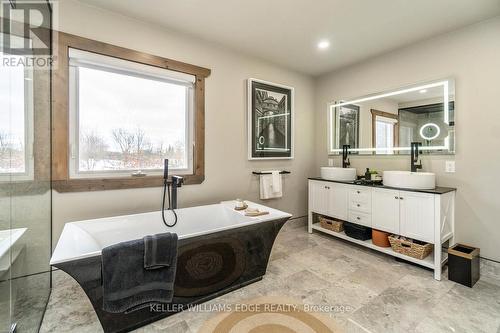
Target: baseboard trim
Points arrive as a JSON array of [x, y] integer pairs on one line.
[[488, 259]]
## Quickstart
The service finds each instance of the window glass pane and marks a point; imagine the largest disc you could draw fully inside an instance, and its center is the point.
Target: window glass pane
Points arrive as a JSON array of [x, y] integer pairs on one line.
[[129, 122], [385, 136], [381, 134], [390, 136], [12, 118]]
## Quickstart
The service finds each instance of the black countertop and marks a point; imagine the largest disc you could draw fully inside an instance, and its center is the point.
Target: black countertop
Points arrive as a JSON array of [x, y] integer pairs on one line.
[[437, 190]]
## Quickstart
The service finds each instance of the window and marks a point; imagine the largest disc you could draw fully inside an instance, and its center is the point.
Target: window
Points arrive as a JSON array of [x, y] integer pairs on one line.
[[126, 118], [385, 132], [385, 135], [117, 113], [16, 119]]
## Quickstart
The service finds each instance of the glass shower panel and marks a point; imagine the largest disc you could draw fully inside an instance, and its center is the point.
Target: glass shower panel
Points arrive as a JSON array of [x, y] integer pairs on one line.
[[5, 253], [9, 85], [25, 182]]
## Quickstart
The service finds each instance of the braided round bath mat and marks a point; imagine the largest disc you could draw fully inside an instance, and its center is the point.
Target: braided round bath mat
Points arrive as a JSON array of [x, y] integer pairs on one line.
[[270, 315]]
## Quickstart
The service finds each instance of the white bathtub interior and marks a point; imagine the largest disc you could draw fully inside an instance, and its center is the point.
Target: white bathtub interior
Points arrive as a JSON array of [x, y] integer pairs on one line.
[[85, 239]]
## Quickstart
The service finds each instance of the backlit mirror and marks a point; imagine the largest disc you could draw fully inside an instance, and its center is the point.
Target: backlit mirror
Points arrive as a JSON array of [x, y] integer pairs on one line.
[[387, 123]]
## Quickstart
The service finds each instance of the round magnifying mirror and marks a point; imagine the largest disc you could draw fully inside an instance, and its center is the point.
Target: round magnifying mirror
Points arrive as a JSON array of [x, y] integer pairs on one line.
[[430, 131]]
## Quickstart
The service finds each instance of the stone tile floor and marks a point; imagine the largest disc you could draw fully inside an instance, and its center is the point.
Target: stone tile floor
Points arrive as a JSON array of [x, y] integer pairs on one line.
[[373, 292]]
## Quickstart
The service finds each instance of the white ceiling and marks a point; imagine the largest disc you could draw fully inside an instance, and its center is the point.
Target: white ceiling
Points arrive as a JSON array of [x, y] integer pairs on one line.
[[286, 32]]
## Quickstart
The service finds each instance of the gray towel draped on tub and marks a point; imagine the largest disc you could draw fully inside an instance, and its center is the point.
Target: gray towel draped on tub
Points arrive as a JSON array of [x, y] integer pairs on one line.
[[139, 273]]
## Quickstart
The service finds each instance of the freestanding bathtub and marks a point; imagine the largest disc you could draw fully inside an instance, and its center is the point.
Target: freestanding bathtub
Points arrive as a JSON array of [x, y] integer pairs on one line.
[[220, 250]]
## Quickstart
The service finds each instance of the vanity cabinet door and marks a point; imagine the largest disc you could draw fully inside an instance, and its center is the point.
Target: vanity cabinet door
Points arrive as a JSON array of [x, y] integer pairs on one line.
[[337, 201], [385, 210], [318, 196], [417, 216]]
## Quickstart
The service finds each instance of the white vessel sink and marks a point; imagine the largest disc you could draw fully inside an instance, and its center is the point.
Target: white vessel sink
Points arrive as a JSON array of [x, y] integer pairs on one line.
[[340, 174], [410, 180]]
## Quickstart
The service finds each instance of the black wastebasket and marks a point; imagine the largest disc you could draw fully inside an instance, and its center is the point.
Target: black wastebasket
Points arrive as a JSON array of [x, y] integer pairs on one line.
[[463, 264]]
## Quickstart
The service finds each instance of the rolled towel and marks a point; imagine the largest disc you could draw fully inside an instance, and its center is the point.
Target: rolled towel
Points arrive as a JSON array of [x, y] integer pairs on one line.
[[254, 212]]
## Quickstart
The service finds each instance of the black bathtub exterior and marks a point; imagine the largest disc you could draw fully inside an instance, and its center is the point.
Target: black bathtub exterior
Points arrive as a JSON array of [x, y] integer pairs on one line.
[[208, 266]]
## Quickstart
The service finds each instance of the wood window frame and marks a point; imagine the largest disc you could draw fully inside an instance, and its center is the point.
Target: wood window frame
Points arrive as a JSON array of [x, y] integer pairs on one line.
[[61, 180], [376, 113]]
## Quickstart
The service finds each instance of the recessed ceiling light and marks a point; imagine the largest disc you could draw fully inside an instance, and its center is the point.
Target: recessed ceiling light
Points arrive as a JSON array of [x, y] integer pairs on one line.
[[324, 44], [423, 91]]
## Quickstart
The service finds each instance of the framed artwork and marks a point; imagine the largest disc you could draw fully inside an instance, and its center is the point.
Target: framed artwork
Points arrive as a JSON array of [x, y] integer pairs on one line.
[[347, 125], [270, 120]]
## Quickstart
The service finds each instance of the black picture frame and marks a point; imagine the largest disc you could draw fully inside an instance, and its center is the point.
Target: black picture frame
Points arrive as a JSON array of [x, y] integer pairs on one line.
[[270, 120]]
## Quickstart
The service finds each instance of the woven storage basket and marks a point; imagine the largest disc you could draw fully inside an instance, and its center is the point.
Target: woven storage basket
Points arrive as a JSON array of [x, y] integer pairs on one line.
[[331, 224], [410, 248]]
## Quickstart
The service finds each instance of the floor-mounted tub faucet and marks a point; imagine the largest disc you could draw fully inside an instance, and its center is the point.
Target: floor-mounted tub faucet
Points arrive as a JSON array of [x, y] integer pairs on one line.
[[345, 160], [176, 182], [414, 157]]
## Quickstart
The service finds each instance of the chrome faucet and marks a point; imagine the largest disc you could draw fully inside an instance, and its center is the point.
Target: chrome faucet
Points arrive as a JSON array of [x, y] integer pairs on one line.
[[414, 157], [345, 160]]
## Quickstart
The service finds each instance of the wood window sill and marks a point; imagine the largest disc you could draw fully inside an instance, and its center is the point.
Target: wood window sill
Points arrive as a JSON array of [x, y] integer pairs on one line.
[[104, 184]]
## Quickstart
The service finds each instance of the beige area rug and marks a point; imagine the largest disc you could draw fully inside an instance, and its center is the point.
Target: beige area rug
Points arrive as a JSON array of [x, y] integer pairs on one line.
[[270, 315]]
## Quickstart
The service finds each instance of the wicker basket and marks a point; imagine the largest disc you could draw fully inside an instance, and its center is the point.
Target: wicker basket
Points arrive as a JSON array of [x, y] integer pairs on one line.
[[409, 247], [331, 224]]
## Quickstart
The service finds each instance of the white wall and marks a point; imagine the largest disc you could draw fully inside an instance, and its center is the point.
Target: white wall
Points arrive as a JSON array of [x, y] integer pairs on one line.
[[228, 172], [472, 57]]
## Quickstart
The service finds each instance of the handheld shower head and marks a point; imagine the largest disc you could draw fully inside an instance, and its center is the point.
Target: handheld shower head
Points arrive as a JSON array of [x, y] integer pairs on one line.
[[165, 170], [166, 188]]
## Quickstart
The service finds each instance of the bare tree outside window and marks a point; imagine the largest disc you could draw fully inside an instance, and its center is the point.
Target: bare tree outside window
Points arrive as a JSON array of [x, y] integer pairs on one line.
[[12, 156], [94, 149], [125, 140], [135, 151], [135, 148]]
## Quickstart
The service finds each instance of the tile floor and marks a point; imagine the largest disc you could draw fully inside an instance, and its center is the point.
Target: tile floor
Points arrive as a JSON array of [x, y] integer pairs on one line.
[[374, 292]]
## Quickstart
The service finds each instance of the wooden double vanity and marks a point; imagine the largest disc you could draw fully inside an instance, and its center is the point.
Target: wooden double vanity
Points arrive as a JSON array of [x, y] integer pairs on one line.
[[424, 215]]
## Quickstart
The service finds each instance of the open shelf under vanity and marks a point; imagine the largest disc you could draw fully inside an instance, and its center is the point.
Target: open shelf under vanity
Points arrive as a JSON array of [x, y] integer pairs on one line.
[[426, 262]]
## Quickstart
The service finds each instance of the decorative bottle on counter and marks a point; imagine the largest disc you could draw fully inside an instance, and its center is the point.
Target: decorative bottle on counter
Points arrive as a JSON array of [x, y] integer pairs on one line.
[[368, 175]]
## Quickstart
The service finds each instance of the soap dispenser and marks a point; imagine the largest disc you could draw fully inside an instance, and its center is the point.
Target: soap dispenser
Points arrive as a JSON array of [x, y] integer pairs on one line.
[[368, 174]]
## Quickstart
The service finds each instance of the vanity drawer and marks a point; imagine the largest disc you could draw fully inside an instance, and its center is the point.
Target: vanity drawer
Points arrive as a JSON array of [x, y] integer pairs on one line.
[[360, 218], [360, 194], [361, 206]]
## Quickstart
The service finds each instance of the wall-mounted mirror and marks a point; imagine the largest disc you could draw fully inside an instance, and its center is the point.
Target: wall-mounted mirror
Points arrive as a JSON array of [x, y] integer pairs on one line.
[[387, 123]]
